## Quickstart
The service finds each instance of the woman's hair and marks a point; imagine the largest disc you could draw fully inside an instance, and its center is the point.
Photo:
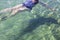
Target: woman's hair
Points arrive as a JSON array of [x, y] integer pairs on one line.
[[36, 1]]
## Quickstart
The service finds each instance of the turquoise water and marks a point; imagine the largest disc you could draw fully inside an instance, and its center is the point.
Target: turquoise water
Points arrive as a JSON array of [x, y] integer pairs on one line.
[[39, 24]]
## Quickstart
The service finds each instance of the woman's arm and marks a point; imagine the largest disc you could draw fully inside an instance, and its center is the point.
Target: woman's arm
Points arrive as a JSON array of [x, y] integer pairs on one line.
[[47, 6]]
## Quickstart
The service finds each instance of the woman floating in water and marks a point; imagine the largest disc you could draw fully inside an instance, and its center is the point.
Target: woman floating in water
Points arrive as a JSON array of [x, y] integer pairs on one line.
[[27, 5]]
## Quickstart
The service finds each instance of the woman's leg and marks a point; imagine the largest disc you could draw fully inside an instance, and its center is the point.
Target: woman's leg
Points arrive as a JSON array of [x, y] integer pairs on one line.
[[14, 10], [18, 10], [10, 9], [6, 10]]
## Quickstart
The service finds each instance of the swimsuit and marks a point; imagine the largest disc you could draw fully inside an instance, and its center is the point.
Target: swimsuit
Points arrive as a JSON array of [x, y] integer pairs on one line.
[[29, 4]]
